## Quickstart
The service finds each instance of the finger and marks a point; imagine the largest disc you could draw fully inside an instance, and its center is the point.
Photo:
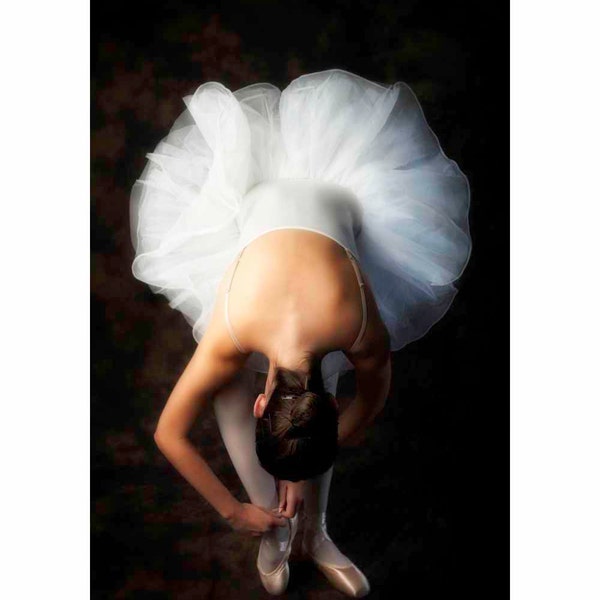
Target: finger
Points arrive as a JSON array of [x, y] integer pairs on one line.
[[282, 494], [289, 511], [278, 522], [292, 510], [274, 514], [292, 504]]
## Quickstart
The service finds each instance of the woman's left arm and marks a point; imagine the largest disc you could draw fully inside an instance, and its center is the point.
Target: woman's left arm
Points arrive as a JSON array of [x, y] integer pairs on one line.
[[373, 380], [372, 365], [373, 370]]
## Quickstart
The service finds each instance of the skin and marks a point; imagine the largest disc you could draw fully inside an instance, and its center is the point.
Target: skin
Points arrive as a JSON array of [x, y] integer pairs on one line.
[[295, 297]]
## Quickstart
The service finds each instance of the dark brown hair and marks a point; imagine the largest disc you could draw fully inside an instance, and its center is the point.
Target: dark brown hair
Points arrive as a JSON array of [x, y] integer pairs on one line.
[[296, 438]]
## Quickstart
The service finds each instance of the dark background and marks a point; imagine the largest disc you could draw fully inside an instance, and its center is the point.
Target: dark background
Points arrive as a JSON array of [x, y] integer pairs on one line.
[[423, 506]]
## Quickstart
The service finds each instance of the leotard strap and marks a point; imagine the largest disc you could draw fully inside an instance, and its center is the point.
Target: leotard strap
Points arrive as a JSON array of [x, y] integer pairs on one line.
[[361, 283], [229, 327]]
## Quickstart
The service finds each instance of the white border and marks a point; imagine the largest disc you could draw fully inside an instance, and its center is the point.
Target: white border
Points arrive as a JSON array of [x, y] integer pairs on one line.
[[44, 245], [555, 500], [555, 300]]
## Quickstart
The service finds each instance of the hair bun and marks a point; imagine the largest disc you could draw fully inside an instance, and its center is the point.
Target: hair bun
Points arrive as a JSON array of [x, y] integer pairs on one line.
[[297, 428]]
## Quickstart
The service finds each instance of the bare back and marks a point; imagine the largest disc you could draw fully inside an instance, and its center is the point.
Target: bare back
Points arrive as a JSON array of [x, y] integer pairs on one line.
[[297, 285]]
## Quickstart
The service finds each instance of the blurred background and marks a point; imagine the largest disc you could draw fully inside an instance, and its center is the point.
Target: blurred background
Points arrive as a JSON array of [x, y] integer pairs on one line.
[[423, 506]]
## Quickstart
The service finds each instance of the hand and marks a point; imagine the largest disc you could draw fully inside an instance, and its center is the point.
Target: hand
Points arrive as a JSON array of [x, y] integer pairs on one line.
[[291, 496], [353, 441], [255, 520]]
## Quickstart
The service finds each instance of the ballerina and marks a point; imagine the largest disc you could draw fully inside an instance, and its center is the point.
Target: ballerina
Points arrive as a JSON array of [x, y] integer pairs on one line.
[[302, 234]]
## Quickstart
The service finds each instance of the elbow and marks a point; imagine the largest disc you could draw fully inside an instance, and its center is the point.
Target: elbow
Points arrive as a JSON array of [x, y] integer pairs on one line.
[[379, 406], [164, 438], [159, 438], [378, 409]]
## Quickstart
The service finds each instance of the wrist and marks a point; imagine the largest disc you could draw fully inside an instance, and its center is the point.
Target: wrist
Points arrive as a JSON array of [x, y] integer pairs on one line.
[[354, 439], [231, 510]]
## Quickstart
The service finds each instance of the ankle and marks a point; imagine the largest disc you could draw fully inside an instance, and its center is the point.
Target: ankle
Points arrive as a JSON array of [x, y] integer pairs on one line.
[[314, 518], [315, 527]]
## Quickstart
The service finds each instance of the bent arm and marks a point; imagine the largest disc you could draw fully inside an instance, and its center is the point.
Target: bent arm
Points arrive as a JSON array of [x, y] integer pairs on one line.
[[208, 370], [190, 464], [372, 388], [373, 369]]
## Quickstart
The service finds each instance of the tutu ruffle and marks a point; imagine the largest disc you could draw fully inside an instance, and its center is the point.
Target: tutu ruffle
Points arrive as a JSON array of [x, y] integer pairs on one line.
[[331, 126]]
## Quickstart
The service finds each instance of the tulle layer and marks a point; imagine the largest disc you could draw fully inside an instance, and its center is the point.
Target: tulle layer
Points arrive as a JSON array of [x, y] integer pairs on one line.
[[332, 126]]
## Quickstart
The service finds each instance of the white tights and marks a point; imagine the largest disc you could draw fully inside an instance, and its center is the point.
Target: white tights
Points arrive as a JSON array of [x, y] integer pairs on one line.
[[233, 407]]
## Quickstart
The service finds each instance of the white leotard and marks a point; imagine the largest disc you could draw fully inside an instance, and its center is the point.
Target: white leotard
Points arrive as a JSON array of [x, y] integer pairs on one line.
[[300, 204]]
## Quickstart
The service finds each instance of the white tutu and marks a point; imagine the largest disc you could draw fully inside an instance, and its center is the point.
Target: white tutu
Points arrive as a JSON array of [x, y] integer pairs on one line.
[[331, 126]]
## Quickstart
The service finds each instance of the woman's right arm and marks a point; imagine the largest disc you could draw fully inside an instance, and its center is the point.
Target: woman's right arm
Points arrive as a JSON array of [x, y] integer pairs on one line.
[[211, 367]]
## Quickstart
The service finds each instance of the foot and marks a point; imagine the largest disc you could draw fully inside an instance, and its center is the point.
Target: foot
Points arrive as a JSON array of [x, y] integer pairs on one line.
[[273, 553], [339, 570], [317, 543]]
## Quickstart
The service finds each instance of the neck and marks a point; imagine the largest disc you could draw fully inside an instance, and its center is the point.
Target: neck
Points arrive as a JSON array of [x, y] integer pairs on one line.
[[303, 362]]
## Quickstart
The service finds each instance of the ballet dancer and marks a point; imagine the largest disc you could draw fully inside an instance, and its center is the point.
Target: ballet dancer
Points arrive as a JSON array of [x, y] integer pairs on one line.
[[302, 234]]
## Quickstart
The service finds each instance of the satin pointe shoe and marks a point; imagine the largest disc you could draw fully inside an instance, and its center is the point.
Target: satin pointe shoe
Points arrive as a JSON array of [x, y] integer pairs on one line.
[[348, 579], [276, 581]]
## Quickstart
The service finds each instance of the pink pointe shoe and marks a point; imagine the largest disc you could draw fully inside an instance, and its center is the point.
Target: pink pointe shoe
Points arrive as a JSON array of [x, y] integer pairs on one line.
[[276, 581], [348, 579]]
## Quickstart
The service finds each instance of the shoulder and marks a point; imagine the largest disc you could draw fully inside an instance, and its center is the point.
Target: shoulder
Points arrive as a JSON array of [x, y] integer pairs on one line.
[[216, 341], [372, 352], [374, 348], [215, 362]]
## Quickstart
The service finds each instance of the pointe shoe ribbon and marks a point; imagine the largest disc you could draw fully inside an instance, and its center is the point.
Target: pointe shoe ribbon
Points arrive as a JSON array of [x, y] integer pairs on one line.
[[276, 581]]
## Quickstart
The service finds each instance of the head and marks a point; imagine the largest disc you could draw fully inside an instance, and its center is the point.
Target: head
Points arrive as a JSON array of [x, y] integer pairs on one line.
[[297, 426]]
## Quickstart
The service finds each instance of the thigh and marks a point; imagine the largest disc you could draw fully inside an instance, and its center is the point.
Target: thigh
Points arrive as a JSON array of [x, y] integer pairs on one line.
[[233, 407], [316, 490], [234, 403]]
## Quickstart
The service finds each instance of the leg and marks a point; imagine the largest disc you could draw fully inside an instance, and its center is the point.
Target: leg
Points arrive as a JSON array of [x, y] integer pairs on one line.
[[341, 572], [233, 406], [315, 509], [317, 488]]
